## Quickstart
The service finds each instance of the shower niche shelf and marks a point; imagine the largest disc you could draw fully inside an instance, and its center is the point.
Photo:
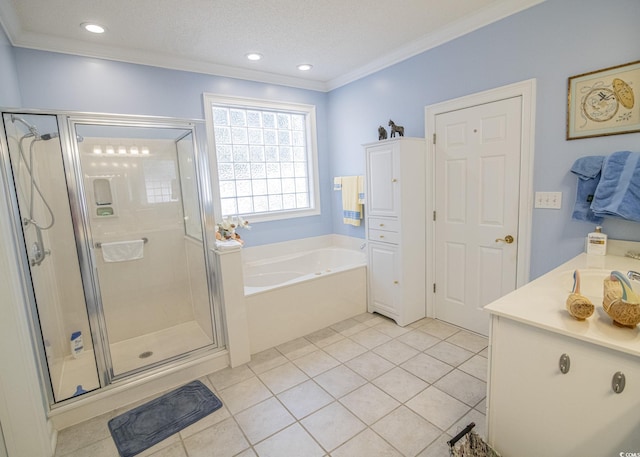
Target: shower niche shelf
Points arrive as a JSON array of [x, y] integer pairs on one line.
[[103, 201]]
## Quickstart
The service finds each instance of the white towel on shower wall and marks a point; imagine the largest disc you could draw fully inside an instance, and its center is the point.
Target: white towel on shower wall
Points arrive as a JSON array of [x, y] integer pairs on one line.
[[122, 251]]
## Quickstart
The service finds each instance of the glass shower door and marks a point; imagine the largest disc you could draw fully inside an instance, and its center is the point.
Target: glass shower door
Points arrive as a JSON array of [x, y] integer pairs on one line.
[[144, 222], [38, 176]]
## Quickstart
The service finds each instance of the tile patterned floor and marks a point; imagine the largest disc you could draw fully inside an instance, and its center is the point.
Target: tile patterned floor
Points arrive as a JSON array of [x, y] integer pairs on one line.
[[363, 387]]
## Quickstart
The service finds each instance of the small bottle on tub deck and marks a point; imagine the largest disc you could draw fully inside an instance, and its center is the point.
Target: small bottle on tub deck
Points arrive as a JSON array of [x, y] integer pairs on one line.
[[597, 242]]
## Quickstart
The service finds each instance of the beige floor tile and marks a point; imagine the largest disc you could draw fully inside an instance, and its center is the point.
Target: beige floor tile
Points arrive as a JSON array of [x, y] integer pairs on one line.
[[396, 351], [426, 367], [463, 387], [244, 394], [296, 348], [469, 341], [390, 328], [349, 327], [266, 360], [293, 441], [340, 381], [315, 363], [283, 377], [400, 384], [418, 340], [369, 365], [103, 448], [345, 350], [170, 442], [369, 319], [482, 406], [248, 453], [369, 403], [484, 352], [229, 376], [370, 338], [332, 426], [305, 399], [439, 448], [224, 439], [476, 366], [438, 328], [449, 353], [437, 407], [264, 419], [83, 434], [407, 431], [206, 422], [325, 337], [366, 444], [174, 450]]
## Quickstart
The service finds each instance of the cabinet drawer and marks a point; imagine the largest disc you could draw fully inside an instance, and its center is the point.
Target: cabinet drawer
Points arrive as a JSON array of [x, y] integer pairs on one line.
[[381, 235], [378, 223]]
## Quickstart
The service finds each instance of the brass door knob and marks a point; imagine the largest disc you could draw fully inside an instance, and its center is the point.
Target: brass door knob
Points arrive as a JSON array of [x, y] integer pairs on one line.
[[507, 239]]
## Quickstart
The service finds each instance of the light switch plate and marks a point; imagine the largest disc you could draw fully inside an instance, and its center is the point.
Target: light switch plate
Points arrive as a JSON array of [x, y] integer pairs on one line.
[[549, 200]]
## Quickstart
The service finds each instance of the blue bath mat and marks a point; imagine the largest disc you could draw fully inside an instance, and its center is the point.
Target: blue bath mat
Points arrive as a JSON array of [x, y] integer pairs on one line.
[[148, 424]]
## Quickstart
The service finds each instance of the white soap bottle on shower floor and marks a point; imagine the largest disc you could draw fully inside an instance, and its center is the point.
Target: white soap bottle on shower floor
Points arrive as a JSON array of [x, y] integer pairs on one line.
[[76, 344]]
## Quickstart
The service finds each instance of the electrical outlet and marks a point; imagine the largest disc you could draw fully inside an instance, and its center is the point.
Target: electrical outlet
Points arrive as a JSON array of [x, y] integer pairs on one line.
[[549, 200]]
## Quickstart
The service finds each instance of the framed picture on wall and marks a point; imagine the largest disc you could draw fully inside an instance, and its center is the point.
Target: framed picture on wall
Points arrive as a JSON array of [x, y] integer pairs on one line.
[[604, 102]]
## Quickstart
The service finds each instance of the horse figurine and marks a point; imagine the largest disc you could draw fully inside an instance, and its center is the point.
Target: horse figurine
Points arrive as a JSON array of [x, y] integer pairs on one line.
[[382, 133], [396, 128]]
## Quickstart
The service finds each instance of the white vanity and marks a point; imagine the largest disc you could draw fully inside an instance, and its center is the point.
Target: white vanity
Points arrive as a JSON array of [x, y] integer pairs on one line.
[[553, 379]]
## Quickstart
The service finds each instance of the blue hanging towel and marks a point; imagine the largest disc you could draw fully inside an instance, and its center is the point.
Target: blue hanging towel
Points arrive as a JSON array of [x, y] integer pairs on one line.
[[588, 171], [618, 193]]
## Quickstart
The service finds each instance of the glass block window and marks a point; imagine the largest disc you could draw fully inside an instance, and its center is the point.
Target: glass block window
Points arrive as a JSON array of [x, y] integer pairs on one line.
[[265, 157]]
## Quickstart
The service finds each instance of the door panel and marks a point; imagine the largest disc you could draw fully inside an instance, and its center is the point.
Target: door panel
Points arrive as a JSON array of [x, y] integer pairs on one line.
[[477, 172]]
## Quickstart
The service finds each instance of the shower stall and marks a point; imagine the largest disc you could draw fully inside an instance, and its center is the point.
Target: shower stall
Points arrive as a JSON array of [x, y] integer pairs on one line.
[[113, 220]]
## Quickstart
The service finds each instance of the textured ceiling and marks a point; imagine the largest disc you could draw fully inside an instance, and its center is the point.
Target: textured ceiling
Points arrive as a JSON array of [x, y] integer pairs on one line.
[[343, 40]]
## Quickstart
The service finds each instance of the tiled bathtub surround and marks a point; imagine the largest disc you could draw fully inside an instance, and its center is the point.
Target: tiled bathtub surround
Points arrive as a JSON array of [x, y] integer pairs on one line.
[[364, 387]]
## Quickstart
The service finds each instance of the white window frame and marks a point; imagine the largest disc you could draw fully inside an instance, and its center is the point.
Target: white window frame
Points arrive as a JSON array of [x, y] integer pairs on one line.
[[211, 99]]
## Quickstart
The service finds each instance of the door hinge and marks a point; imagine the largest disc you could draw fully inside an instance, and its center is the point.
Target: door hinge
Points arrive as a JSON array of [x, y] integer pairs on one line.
[[434, 138], [434, 287], [434, 215]]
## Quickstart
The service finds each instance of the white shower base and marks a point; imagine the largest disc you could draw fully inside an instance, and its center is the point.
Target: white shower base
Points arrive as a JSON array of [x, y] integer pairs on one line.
[[164, 344]]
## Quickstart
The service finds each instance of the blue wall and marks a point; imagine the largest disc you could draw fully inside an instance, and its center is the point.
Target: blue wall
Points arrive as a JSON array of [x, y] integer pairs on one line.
[[549, 42], [65, 82], [9, 89]]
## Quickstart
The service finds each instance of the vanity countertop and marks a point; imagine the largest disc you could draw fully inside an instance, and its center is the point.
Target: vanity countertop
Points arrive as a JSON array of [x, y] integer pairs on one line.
[[541, 303]]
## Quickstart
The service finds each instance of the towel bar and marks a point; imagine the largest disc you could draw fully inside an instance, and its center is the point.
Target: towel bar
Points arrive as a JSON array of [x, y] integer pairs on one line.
[[144, 238]]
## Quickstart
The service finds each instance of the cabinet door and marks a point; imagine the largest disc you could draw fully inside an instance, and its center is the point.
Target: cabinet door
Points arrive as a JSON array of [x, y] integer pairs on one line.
[[382, 181], [535, 410], [383, 279]]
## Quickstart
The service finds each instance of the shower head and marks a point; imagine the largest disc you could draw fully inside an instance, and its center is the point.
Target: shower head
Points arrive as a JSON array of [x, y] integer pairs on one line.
[[32, 130], [48, 136]]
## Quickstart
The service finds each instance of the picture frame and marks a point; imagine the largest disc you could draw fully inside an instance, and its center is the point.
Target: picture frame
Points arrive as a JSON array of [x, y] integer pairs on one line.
[[604, 102]]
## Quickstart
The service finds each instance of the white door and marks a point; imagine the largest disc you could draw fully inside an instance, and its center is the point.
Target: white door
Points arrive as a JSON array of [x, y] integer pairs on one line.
[[477, 182]]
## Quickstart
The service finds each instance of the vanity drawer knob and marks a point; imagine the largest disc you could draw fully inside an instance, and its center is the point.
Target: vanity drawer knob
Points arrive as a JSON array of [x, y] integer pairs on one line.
[[564, 363], [618, 382], [381, 225]]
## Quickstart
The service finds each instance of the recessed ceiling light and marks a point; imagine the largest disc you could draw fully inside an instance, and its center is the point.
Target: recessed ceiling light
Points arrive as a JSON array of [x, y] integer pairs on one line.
[[93, 28], [305, 67], [254, 56]]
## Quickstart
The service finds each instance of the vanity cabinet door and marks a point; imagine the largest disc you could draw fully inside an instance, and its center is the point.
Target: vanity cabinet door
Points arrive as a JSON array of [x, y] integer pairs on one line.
[[534, 409]]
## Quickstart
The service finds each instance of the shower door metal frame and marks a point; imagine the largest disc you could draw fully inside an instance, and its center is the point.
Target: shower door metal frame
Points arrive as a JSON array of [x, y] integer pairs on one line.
[[86, 249], [66, 122], [18, 239]]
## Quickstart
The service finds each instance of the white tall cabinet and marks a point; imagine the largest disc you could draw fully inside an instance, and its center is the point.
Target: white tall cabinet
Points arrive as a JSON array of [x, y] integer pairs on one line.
[[395, 222]]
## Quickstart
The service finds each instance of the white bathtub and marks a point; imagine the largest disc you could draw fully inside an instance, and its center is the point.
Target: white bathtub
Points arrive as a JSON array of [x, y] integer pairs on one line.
[[312, 284]]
